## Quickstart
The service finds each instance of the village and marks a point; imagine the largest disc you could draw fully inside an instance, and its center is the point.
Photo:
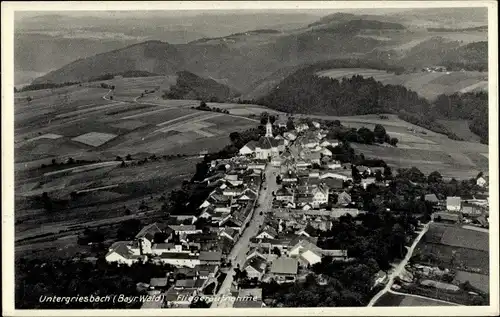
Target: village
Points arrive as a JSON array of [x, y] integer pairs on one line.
[[265, 213]]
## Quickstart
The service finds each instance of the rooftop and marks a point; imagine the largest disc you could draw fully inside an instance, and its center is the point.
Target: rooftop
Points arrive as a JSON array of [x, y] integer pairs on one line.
[[284, 266]]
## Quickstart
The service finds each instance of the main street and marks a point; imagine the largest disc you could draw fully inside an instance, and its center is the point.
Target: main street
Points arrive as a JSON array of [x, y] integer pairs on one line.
[[400, 267], [240, 249]]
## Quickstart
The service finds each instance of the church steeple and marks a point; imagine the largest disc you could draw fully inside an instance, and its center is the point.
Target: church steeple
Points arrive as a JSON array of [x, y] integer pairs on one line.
[[269, 128]]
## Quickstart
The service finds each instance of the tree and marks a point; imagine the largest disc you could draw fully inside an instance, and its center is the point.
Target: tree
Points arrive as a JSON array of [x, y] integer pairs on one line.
[[289, 124], [435, 177], [380, 133], [393, 141], [111, 97], [234, 137], [29, 99], [356, 176], [128, 157], [277, 251], [387, 172], [71, 161]]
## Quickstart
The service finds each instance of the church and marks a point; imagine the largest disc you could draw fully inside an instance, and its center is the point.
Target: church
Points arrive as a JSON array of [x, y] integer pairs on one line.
[[266, 147]]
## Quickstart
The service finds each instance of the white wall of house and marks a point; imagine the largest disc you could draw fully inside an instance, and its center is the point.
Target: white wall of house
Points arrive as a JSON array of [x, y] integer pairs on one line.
[[117, 258], [181, 262], [145, 245], [310, 257]]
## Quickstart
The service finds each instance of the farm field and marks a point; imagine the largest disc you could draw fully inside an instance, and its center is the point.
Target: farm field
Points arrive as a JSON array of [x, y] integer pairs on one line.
[[461, 129], [392, 300], [428, 85], [480, 281], [455, 247]]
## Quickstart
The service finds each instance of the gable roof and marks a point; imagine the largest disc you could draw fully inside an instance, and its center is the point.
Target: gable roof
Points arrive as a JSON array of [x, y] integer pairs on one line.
[[431, 197], [257, 263], [453, 200], [148, 231], [210, 256], [284, 266], [122, 249]]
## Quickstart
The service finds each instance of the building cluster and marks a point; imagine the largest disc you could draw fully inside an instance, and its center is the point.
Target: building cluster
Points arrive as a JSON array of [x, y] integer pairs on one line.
[[457, 210]]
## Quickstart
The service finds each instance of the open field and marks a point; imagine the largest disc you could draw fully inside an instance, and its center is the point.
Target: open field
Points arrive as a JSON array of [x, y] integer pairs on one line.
[[461, 129], [393, 300], [428, 85]]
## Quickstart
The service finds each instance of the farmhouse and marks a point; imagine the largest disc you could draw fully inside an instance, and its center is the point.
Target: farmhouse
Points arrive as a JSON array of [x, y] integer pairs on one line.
[[344, 199], [284, 269], [453, 203], [255, 267], [146, 237], [123, 252]]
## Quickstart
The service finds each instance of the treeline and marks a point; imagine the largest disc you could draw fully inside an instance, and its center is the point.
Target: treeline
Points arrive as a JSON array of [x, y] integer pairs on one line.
[[126, 74], [191, 86], [477, 28], [44, 86], [303, 92], [472, 106], [204, 107]]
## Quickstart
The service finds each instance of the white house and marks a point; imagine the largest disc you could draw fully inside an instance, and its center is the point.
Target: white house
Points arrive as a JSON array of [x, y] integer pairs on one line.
[[290, 136], [453, 203], [331, 142], [267, 233], [255, 268], [185, 229], [334, 175], [146, 237], [123, 252], [367, 181], [178, 259], [302, 127], [317, 125], [160, 248], [481, 181], [326, 152]]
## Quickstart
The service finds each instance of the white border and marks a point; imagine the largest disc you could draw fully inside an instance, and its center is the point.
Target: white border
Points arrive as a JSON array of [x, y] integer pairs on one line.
[[8, 9]]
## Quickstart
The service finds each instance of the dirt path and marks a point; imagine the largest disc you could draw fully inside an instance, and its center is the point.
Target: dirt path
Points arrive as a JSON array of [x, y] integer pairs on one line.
[[399, 269]]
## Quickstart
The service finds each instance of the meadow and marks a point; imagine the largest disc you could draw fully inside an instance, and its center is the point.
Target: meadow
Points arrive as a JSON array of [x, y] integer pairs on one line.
[[428, 85], [392, 300]]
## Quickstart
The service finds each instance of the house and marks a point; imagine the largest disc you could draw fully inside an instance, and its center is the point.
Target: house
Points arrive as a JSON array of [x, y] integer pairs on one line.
[[213, 258], [158, 282], [178, 259], [284, 269], [317, 125], [249, 298], [471, 210], [344, 199], [319, 195], [334, 184], [256, 165], [284, 194], [302, 127], [146, 237], [205, 271], [289, 178], [268, 233], [326, 152], [258, 252], [453, 203], [159, 248], [367, 181], [363, 170], [306, 252], [432, 198], [123, 252], [255, 267], [229, 233], [276, 161], [184, 229], [334, 175], [481, 181], [290, 135]]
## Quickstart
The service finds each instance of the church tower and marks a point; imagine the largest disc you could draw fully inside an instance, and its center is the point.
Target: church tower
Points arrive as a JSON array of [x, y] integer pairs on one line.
[[269, 129]]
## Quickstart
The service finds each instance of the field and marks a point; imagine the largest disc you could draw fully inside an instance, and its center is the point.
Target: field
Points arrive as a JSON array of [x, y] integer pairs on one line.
[[392, 300], [457, 248], [461, 129], [83, 123], [428, 85]]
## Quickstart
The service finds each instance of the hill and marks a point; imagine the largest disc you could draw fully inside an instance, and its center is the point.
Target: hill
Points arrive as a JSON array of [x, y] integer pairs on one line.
[[151, 56], [191, 86]]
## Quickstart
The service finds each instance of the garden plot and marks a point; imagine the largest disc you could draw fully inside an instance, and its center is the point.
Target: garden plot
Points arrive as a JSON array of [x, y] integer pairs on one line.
[[459, 237], [480, 281], [94, 138]]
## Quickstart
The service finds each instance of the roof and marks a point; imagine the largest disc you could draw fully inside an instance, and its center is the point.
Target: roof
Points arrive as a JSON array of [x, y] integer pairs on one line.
[[148, 232], [158, 281], [284, 266], [453, 200], [431, 197], [284, 191], [183, 227], [185, 283], [258, 263], [166, 246], [447, 216], [122, 248], [210, 256], [303, 240], [177, 255], [270, 230], [205, 269]]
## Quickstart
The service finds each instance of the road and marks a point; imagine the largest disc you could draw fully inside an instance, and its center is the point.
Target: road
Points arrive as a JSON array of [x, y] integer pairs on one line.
[[399, 269], [240, 249]]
